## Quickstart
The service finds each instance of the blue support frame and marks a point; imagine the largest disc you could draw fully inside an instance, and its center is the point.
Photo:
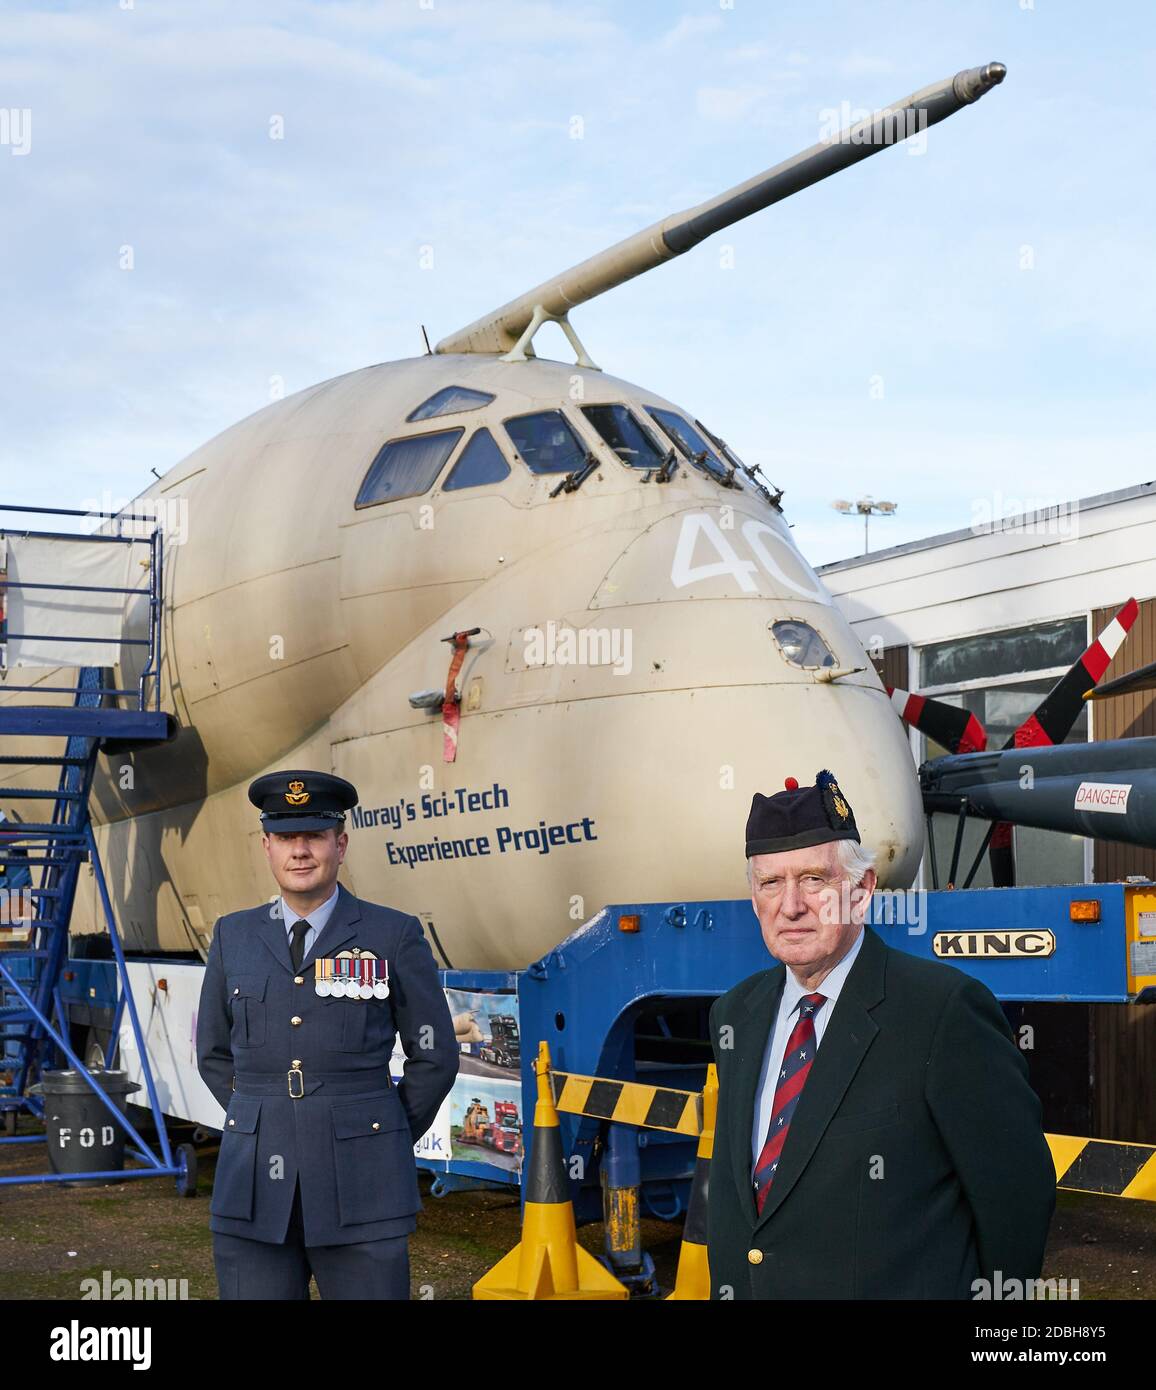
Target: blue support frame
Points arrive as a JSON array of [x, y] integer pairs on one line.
[[585, 996], [1089, 964]]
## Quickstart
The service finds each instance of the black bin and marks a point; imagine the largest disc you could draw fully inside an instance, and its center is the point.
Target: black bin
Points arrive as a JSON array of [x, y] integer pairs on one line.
[[82, 1135]]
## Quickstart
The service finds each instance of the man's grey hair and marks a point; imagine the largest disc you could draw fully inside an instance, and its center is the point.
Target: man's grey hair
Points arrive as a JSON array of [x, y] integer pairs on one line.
[[853, 858]]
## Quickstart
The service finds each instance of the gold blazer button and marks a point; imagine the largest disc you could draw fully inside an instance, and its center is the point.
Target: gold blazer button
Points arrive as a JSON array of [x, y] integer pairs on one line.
[[755, 1257]]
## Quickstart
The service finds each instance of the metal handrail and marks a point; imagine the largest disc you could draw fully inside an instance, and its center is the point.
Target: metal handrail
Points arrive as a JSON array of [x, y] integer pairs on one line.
[[75, 511], [150, 672]]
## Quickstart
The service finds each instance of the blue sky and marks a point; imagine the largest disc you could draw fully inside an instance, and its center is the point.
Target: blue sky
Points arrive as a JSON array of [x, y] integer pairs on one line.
[[417, 131]]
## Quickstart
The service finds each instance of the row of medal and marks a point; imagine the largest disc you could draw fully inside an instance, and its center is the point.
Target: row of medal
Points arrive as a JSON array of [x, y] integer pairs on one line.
[[351, 977]]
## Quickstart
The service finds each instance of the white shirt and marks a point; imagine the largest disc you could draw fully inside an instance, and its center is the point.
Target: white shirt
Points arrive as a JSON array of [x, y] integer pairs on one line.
[[316, 919], [785, 1020]]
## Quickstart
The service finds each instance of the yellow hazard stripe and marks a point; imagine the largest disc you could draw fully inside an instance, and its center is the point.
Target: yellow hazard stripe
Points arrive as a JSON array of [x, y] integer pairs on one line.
[[1103, 1166], [628, 1103]]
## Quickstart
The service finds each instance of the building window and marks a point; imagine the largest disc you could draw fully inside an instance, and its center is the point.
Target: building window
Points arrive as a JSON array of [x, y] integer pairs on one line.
[[1037, 648], [481, 462], [406, 467]]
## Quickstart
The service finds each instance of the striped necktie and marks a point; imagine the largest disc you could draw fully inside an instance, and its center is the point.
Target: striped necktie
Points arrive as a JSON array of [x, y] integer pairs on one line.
[[797, 1059]]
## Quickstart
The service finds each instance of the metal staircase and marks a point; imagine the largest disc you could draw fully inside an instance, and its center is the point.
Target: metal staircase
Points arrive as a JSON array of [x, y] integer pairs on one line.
[[34, 1030]]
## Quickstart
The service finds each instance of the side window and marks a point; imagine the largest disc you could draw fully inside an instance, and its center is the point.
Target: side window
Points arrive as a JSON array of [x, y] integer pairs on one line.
[[690, 443], [450, 400], [406, 467], [721, 445], [546, 442], [620, 428], [481, 462]]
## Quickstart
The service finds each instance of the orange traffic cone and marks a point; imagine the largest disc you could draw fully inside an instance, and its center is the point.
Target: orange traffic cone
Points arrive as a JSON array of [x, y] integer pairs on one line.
[[693, 1278], [548, 1262]]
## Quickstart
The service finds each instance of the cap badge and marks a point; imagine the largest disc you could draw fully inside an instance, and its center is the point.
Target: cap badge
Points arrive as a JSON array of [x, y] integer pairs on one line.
[[297, 795]]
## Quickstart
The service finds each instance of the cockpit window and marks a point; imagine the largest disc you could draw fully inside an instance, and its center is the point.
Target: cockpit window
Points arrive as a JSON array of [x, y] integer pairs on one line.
[[762, 486], [801, 645], [727, 452], [406, 467], [546, 442], [626, 435], [690, 443], [481, 462], [450, 400]]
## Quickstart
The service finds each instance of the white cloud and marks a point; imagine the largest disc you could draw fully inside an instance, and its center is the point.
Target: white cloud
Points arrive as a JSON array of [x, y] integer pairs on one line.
[[690, 27], [726, 103]]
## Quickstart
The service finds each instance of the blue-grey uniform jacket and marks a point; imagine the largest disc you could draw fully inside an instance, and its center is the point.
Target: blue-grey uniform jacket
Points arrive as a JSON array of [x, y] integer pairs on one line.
[[338, 1123]]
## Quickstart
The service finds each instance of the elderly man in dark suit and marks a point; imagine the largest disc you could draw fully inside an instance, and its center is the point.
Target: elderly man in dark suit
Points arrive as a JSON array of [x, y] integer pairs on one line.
[[876, 1133], [300, 1005]]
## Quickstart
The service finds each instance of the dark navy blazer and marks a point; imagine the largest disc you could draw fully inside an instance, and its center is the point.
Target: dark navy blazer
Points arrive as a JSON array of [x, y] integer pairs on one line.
[[916, 1161], [349, 1137]]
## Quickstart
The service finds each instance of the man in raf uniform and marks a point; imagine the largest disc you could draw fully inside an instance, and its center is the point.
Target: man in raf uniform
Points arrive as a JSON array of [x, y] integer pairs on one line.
[[301, 1003], [876, 1133]]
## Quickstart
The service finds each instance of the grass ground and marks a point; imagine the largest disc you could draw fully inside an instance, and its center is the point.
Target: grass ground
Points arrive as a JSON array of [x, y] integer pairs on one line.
[[52, 1237]]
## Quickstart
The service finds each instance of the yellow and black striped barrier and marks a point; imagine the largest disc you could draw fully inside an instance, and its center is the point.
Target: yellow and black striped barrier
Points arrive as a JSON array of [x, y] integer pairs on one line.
[[1101, 1166], [549, 1263], [1104, 1167], [628, 1103]]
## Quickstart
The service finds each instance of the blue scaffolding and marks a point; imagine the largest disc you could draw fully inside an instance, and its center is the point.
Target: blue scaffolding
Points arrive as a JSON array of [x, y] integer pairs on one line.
[[45, 856]]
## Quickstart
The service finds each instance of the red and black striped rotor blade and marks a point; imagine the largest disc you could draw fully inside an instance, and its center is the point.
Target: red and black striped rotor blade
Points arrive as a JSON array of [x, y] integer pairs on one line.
[[957, 730], [1052, 722], [1060, 708]]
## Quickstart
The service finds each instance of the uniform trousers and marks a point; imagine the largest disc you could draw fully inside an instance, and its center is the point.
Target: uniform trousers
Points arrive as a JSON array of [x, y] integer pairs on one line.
[[259, 1269]]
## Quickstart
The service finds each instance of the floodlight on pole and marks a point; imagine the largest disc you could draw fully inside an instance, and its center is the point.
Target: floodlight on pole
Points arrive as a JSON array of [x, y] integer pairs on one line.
[[866, 507]]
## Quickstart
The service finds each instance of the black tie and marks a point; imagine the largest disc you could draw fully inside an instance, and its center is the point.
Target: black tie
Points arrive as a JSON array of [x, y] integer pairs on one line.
[[297, 949]]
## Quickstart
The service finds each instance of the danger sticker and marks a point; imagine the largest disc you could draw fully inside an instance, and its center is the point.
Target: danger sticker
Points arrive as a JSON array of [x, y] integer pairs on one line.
[[1103, 796]]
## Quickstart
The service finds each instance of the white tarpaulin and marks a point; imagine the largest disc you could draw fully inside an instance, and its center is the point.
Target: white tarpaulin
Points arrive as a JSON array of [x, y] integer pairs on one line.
[[57, 617]]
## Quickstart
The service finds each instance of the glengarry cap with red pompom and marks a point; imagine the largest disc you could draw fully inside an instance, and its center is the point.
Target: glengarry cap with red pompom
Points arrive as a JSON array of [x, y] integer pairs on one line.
[[798, 817]]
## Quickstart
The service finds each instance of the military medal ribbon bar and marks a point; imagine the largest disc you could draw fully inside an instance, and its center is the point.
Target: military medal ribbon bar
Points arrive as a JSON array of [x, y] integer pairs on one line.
[[351, 977]]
